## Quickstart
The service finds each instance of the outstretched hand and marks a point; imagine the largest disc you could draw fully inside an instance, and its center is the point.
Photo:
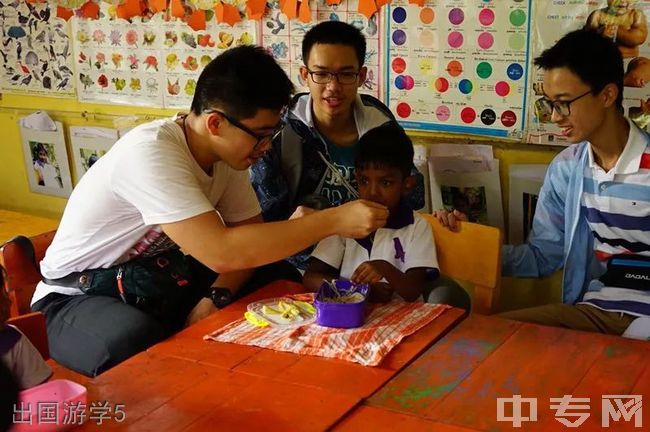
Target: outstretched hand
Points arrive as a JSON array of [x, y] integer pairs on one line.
[[449, 219], [359, 218]]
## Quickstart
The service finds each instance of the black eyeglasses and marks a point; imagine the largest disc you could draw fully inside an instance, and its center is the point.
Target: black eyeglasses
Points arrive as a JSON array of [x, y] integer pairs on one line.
[[264, 139], [545, 106], [323, 77]]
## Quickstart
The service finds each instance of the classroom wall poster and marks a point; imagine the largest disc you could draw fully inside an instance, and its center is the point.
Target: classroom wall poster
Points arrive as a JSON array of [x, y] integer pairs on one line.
[[46, 160], [554, 19], [117, 61], [88, 145], [459, 66], [186, 52], [283, 38], [36, 50], [150, 61]]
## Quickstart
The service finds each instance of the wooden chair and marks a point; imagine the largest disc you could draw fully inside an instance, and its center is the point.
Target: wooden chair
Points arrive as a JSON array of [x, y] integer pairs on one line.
[[33, 326], [19, 258], [471, 254]]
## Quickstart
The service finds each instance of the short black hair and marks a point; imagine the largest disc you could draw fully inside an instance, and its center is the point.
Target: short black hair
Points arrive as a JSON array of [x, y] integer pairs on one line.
[[335, 33], [240, 81], [386, 146], [594, 58]]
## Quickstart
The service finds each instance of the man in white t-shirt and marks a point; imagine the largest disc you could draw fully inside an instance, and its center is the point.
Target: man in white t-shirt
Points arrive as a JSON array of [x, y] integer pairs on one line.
[[155, 192]]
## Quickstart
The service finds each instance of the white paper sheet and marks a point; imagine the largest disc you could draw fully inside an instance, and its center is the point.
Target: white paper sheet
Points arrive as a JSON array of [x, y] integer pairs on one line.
[[478, 194], [89, 144], [46, 161], [525, 184]]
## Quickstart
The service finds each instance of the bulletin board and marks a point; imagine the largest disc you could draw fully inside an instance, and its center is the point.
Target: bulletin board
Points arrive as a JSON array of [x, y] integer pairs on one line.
[[461, 67]]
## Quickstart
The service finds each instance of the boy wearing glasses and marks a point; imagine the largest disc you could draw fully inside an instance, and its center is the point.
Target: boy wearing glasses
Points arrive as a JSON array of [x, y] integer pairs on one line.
[[311, 165], [118, 278], [593, 213]]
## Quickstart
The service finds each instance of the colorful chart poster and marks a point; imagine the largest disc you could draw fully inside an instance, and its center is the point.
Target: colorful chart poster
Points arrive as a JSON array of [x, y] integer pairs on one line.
[[186, 52], [554, 19], [36, 50], [118, 61], [151, 62], [459, 66], [283, 38]]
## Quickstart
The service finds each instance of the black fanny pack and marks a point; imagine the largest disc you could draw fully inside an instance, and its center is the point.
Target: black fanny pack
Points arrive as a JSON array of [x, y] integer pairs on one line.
[[151, 284], [631, 272]]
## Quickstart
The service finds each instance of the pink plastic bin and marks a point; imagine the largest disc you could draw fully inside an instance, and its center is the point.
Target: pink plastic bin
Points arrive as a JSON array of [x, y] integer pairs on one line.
[[64, 395]]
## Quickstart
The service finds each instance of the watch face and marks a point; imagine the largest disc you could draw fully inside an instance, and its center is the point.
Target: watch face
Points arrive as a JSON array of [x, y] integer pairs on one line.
[[221, 297]]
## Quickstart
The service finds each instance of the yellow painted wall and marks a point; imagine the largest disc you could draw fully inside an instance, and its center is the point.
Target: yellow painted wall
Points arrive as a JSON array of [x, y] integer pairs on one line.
[[15, 194], [14, 188]]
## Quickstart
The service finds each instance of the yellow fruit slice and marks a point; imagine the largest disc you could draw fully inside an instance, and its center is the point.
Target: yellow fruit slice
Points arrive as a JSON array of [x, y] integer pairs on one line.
[[255, 319]]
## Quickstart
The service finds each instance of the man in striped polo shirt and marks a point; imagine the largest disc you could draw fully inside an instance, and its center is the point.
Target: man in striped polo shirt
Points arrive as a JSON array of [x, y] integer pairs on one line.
[[593, 213]]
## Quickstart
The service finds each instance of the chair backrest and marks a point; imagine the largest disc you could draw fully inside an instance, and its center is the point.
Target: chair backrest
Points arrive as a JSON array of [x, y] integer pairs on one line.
[[19, 260], [471, 254], [33, 326]]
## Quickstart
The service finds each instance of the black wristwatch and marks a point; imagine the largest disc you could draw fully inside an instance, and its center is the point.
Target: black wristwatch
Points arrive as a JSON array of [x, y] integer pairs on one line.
[[221, 297]]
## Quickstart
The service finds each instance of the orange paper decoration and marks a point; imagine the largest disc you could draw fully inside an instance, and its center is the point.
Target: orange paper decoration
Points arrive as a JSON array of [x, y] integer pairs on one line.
[[178, 10], [290, 8], [64, 13], [197, 20], [129, 9], [255, 9], [157, 5], [417, 2], [333, 2], [227, 13], [381, 3], [89, 10], [304, 12], [367, 8]]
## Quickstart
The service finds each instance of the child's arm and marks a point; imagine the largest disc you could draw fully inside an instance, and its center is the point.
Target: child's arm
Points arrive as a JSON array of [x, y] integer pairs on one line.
[[325, 262], [409, 285], [317, 271]]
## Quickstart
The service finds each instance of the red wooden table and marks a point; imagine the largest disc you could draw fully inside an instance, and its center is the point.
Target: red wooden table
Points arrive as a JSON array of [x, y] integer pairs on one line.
[[186, 383], [456, 382]]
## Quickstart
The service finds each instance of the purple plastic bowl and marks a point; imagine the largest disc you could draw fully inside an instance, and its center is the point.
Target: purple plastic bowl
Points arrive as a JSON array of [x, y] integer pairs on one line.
[[340, 315]]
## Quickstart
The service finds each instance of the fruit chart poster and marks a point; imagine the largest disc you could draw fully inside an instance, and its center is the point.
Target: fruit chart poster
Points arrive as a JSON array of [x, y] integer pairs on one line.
[[149, 61]]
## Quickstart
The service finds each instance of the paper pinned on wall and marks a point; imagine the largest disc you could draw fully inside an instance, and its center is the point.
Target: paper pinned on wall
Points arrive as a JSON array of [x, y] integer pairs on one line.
[[39, 120], [525, 184], [466, 178], [46, 160], [89, 144]]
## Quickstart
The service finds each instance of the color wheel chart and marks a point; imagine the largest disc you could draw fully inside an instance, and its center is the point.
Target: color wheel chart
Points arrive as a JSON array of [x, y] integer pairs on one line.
[[459, 66]]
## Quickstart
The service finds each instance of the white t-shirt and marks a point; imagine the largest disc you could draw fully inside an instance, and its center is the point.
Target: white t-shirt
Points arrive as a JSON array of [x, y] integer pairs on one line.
[[149, 177], [408, 244], [48, 173], [23, 359]]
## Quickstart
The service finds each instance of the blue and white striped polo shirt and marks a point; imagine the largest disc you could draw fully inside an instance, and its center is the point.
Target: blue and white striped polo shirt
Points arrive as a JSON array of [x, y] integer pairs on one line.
[[617, 207]]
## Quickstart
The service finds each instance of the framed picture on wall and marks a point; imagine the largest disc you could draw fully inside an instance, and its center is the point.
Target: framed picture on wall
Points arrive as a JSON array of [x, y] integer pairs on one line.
[[46, 161], [88, 145]]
